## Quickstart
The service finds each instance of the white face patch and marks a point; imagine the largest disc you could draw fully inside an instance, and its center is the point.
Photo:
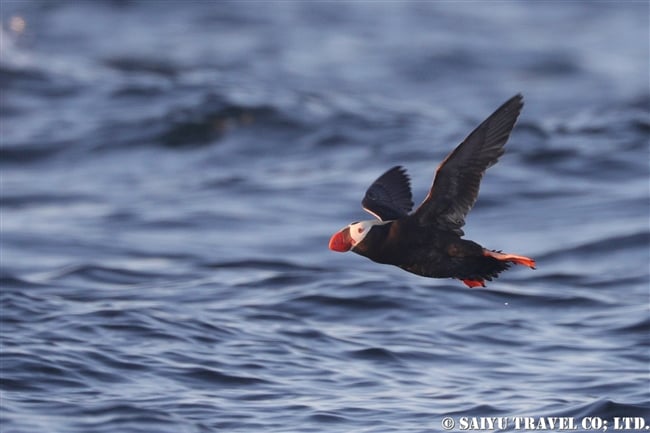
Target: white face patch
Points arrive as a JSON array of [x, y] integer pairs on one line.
[[358, 231]]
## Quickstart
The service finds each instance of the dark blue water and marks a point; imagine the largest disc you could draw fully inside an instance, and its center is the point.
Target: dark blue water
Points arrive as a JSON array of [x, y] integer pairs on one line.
[[171, 174]]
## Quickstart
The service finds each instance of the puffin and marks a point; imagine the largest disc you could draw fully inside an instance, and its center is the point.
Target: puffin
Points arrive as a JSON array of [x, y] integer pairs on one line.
[[429, 241]]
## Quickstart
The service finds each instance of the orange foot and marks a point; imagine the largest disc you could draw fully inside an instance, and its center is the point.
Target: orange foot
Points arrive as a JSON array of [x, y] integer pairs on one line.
[[474, 283], [520, 260]]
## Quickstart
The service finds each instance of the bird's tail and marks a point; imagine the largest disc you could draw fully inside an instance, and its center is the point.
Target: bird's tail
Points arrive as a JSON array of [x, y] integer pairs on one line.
[[490, 265]]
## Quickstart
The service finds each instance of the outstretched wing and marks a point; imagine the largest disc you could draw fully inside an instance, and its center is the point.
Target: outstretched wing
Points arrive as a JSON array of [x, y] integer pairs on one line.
[[456, 185], [389, 197]]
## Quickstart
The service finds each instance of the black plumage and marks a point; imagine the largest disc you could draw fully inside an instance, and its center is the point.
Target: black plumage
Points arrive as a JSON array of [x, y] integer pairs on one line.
[[456, 185], [389, 197], [428, 241]]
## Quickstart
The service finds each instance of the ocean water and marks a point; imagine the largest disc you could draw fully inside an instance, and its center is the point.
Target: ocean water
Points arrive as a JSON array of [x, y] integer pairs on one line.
[[171, 173]]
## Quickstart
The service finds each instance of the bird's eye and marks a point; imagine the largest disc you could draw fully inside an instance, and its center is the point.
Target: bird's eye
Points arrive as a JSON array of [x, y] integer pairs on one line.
[[360, 230]]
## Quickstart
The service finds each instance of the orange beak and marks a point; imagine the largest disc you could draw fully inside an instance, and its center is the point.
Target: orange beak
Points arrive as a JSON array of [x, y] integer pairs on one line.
[[341, 241]]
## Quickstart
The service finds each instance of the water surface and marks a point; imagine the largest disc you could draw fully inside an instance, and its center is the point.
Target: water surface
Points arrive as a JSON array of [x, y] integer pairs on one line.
[[171, 174]]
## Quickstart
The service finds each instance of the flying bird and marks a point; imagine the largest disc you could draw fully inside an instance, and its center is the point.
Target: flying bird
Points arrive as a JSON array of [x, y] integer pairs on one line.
[[428, 241]]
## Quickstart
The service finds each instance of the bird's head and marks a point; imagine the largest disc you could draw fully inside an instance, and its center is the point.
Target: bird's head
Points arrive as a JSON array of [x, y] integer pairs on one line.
[[352, 235]]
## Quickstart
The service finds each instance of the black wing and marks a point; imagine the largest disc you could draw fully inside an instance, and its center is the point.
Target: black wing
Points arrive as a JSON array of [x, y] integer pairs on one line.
[[389, 197], [456, 185]]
